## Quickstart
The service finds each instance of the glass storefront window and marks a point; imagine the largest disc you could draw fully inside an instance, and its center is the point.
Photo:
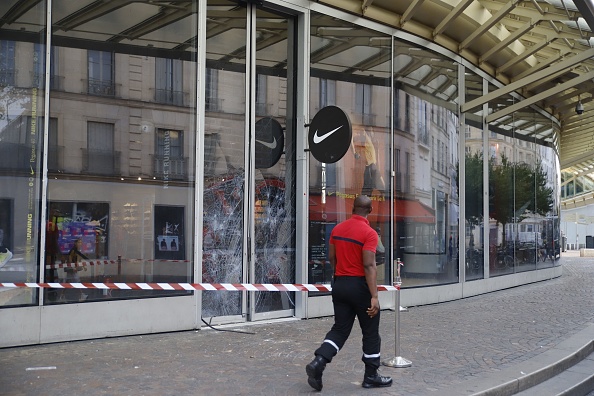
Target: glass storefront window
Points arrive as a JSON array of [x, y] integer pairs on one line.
[[474, 235], [362, 90], [120, 197], [524, 228], [22, 125], [426, 193]]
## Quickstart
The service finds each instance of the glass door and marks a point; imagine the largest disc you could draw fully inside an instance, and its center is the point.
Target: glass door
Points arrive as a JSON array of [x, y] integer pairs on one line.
[[273, 167], [249, 161]]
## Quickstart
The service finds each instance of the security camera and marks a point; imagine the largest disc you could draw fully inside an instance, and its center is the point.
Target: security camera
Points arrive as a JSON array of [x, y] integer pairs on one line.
[[579, 107]]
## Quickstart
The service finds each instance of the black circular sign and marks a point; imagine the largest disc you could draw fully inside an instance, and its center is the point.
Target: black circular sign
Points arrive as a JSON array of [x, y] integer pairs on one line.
[[330, 134], [270, 142]]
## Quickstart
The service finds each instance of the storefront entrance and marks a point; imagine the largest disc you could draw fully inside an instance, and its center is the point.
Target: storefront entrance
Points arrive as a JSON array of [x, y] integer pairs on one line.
[[249, 161]]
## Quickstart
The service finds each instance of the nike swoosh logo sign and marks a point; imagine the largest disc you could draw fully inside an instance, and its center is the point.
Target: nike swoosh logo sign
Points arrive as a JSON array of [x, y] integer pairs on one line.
[[32, 171], [318, 139], [270, 145]]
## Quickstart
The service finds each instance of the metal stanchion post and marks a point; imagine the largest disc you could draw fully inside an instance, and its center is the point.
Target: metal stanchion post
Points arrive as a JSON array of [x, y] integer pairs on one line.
[[397, 360]]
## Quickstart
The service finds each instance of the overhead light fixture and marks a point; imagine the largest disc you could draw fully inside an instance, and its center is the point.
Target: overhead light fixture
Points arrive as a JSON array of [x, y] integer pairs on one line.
[[579, 107]]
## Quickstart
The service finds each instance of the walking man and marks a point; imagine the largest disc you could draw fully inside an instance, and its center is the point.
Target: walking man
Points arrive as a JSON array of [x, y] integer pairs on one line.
[[354, 293]]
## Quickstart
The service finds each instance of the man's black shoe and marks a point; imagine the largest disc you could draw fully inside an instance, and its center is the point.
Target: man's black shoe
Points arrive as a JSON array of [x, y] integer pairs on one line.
[[314, 372], [376, 381]]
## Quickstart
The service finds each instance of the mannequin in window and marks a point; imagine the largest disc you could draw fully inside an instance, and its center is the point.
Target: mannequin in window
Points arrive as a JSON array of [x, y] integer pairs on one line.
[[365, 145]]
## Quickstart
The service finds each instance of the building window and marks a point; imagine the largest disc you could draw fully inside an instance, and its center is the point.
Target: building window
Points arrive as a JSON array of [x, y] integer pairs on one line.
[[261, 107], [55, 152], [39, 67], [99, 157], [398, 170], [7, 69], [432, 152], [327, 93], [407, 113], [212, 90], [363, 103], [406, 186], [101, 73], [396, 109], [169, 162], [168, 81]]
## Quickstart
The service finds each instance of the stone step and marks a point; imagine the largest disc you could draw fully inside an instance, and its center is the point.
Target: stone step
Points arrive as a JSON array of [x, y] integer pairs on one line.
[[577, 380]]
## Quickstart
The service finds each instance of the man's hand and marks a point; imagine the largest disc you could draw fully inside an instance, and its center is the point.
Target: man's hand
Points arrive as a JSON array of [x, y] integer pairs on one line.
[[374, 309]]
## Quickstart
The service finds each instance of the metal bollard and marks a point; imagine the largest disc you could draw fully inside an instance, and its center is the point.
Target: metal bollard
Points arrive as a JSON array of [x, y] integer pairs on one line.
[[397, 360]]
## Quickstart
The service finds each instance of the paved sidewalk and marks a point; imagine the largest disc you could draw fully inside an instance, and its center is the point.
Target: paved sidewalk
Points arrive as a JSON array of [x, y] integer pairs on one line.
[[456, 348]]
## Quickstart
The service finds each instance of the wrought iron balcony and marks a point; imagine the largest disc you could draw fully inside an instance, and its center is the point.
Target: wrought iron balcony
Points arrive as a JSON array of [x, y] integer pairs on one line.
[[55, 158], [56, 82], [213, 104], [171, 168], [423, 134], [17, 156], [7, 77], [167, 96], [100, 87], [101, 162]]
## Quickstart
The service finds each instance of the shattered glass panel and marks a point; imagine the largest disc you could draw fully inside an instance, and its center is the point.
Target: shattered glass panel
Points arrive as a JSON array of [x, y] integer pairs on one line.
[[222, 260], [224, 157], [274, 200], [274, 243]]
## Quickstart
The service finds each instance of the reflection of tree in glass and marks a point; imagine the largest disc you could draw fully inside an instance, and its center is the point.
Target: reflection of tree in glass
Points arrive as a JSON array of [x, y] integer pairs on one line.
[[532, 196], [516, 190], [474, 187]]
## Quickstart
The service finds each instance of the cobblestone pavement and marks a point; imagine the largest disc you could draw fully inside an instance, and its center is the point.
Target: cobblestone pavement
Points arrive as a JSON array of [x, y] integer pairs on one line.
[[448, 343]]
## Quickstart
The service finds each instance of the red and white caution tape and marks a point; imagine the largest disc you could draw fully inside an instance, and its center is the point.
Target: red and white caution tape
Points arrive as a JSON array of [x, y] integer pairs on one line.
[[270, 287]]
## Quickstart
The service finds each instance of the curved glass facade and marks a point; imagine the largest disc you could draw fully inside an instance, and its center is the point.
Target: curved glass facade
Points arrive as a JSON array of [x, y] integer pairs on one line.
[[172, 148]]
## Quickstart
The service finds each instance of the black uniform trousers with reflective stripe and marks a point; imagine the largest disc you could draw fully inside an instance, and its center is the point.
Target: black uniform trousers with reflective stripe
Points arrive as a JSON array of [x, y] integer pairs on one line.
[[351, 297]]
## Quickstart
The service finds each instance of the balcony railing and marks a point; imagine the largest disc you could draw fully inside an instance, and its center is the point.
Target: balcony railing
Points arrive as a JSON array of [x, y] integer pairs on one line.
[[262, 109], [423, 134], [365, 118], [167, 96], [100, 87], [171, 168], [16, 156], [213, 104], [55, 158], [56, 82], [7, 78], [101, 162]]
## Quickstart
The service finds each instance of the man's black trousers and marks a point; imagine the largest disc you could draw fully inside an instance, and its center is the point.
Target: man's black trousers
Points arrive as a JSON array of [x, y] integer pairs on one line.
[[351, 297]]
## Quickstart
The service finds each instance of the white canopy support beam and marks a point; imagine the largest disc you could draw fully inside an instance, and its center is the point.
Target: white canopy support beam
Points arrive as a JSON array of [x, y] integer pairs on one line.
[[528, 80], [498, 16], [538, 97], [455, 13]]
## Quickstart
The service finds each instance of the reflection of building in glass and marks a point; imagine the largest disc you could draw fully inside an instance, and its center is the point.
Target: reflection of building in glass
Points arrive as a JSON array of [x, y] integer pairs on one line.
[[146, 151]]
